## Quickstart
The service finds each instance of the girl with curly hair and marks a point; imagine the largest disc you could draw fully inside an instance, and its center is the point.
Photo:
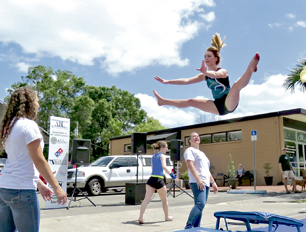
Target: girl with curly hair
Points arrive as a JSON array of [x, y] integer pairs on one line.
[[23, 142], [226, 97]]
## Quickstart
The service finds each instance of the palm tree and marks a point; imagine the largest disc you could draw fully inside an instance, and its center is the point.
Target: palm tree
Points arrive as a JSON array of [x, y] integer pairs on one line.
[[293, 79]]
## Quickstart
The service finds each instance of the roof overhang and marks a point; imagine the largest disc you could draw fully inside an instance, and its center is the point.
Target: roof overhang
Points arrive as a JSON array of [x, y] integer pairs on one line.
[[158, 137]]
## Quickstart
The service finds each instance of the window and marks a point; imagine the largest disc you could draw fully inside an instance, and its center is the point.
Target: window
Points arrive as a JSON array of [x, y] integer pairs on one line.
[[147, 161], [127, 148], [187, 140], [219, 137], [205, 138], [301, 137], [133, 161], [234, 135], [289, 134], [103, 161], [121, 162]]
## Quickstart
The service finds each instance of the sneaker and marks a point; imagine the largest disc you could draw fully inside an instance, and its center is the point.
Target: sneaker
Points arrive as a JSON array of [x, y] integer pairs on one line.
[[297, 191], [287, 192]]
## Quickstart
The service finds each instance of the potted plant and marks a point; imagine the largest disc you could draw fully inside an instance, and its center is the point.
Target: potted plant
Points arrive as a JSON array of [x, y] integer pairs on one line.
[[268, 178], [232, 180], [186, 179]]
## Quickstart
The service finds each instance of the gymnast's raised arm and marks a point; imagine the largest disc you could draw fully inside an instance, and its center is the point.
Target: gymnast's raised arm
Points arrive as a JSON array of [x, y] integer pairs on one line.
[[182, 81]]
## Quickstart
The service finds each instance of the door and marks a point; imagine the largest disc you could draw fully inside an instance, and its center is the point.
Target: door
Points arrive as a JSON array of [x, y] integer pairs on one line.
[[133, 167], [120, 172]]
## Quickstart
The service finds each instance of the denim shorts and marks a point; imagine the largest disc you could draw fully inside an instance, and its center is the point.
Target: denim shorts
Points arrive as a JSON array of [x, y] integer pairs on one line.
[[19, 209]]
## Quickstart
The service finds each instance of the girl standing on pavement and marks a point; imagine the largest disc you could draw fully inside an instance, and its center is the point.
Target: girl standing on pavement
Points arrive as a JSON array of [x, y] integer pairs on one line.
[[156, 181], [200, 179], [226, 97], [23, 142]]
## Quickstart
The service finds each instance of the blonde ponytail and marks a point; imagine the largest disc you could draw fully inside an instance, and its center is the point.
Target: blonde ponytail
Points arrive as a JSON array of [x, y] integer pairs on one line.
[[217, 43], [216, 46]]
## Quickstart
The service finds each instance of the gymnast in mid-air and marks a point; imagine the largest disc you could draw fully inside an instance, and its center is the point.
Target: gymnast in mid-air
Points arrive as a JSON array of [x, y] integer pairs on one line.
[[226, 97]]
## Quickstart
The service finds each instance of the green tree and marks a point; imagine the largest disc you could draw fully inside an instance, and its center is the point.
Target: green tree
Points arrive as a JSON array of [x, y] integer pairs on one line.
[[115, 112], [204, 117], [293, 79], [150, 124], [101, 112], [60, 94]]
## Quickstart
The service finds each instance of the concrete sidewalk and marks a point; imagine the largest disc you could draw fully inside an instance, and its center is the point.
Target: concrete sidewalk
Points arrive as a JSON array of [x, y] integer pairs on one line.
[[112, 214]]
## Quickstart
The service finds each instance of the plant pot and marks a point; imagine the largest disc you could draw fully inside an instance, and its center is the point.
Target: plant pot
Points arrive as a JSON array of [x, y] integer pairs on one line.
[[268, 180], [186, 184], [233, 182]]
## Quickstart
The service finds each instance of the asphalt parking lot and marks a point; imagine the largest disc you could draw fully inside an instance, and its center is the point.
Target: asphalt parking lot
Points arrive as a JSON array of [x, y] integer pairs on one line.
[[112, 214]]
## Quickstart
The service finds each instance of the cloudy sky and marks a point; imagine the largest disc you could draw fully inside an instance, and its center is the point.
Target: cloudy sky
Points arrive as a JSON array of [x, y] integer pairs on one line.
[[127, 43]]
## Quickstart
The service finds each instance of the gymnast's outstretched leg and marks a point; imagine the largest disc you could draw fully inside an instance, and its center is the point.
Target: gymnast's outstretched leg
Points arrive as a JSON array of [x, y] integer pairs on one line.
[[232, 98], [202, 104]]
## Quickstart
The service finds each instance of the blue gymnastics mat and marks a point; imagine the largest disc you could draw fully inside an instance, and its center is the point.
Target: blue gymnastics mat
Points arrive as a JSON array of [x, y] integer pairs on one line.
[[276, 223]]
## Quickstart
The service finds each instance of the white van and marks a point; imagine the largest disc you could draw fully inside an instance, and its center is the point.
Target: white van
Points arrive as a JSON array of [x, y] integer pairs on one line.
[[113, 171]]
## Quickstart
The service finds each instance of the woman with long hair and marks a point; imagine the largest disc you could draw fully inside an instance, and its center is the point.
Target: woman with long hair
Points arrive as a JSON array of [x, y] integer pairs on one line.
[[226, 97], [23, 142], [156, 181]]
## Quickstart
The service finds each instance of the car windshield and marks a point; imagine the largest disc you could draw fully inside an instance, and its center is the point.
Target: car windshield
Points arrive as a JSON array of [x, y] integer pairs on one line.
[[103, 161]]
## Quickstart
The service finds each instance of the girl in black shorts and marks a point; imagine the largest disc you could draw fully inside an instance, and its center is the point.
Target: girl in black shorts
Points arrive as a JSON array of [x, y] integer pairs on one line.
[[156, 181], [226, 97]]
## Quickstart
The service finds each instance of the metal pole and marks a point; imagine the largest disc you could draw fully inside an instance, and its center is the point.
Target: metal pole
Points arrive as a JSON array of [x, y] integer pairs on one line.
[[137, 168], [254, 165], [75, 179], [76, 130], [173, 181]]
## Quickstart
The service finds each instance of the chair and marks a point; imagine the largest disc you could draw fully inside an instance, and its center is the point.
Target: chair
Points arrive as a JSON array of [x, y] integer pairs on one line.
[[220, 179], [225, 177]]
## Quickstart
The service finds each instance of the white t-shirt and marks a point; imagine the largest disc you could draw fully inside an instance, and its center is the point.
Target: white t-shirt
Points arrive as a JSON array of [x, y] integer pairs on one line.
[[201, 164], [19, 171]]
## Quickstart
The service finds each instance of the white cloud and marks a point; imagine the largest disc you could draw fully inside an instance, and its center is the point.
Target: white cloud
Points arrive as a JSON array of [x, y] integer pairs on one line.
[[22, 63], [209, 17], [290, 16], [301, 24], [139, 32], [275, 25], [167, 115], [22, 67], [267, 97]]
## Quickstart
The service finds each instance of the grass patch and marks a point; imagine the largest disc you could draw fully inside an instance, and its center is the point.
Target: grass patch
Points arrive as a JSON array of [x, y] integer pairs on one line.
[[301, 201]]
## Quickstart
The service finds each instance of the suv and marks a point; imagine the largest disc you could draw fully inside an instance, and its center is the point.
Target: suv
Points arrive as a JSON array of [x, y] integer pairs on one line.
[[112, 172]]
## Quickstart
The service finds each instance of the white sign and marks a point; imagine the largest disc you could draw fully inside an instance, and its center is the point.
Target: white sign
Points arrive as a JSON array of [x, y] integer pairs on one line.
[[58, 154], [253, 135]]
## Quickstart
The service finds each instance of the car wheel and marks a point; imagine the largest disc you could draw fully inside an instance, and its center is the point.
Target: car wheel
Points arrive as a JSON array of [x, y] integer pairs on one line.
[[94, 187]]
